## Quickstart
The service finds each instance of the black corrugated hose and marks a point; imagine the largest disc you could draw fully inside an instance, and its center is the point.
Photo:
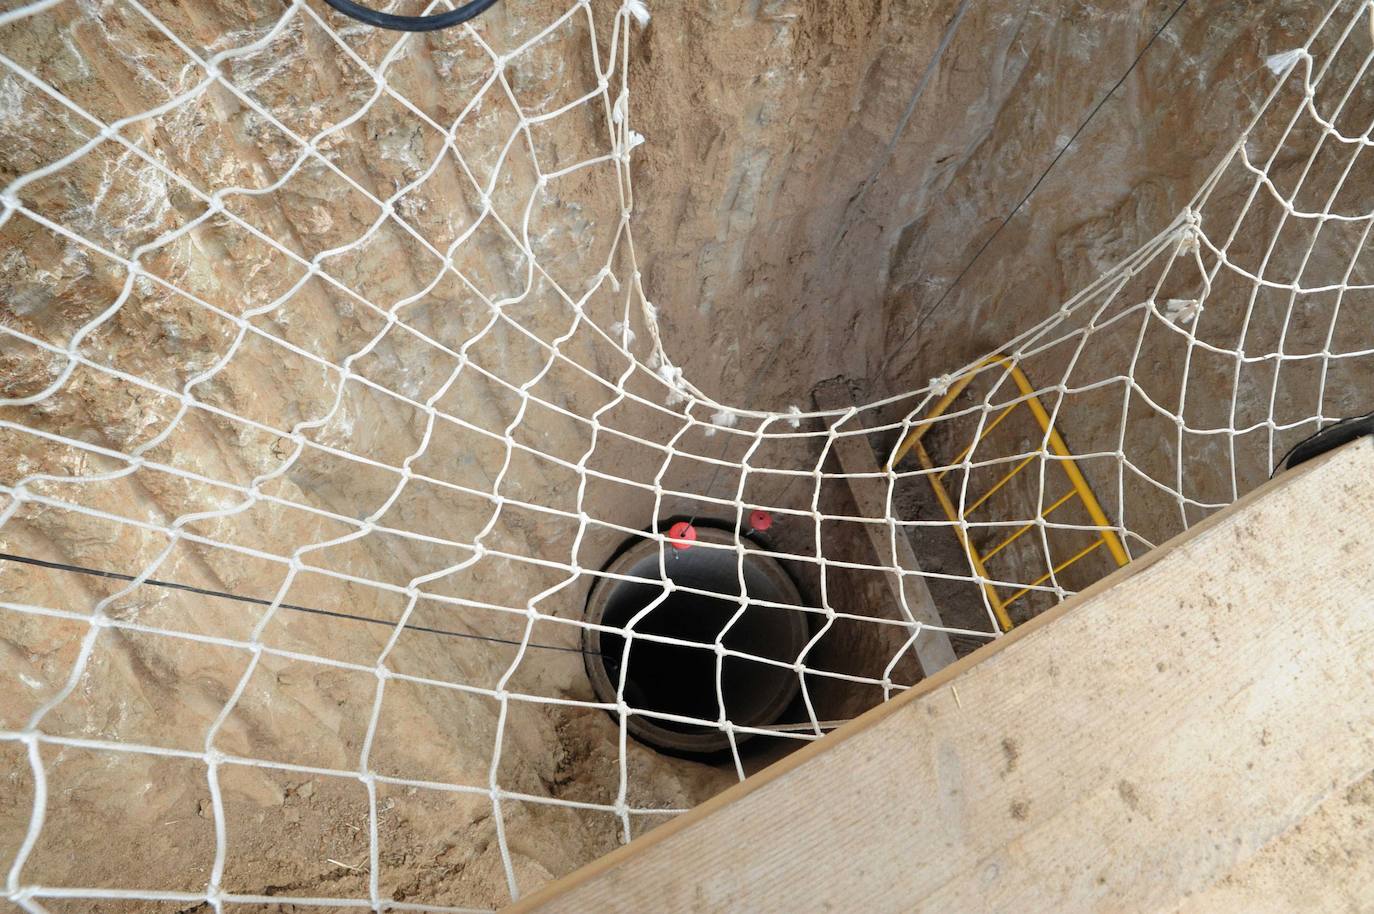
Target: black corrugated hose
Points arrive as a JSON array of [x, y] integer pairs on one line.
[[469, 10]]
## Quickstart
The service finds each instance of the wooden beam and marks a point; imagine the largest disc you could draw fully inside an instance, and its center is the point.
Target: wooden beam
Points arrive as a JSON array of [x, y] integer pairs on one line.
[[1125, 751], [890, 543], [1325, 863]]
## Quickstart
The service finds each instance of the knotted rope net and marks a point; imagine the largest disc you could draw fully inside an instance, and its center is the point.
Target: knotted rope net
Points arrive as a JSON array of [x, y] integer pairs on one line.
[[330, 391]]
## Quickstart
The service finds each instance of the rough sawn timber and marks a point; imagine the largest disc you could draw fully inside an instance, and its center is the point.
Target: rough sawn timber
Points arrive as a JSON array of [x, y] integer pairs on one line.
[[872, 491]]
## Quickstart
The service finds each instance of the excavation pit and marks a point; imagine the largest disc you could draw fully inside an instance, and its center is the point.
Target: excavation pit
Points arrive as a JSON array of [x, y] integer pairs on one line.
[[679, 677]]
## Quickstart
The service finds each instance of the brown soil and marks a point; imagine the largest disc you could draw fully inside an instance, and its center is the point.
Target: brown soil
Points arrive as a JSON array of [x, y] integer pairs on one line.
[[806, 193]]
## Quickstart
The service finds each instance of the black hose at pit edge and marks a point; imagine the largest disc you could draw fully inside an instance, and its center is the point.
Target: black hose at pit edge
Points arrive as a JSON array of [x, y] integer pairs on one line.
[[1329, 438], [381, 20]]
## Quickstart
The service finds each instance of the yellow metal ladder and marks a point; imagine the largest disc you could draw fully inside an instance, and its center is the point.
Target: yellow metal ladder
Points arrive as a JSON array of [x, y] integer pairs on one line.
[[1052, 443]]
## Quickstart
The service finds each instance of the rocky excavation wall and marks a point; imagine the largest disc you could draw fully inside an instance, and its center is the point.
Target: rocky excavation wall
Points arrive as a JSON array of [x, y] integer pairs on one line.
[[815, 176]]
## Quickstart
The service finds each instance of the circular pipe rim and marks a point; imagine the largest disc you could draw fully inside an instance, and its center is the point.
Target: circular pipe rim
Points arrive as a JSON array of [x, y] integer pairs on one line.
[[707, 741]]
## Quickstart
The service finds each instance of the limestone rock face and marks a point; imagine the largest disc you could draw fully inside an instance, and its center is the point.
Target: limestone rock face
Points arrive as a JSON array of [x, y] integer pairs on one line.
[[328, 334]]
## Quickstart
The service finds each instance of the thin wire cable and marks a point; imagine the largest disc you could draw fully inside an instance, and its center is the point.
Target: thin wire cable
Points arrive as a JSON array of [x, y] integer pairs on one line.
[[927, 312], [258, 601]]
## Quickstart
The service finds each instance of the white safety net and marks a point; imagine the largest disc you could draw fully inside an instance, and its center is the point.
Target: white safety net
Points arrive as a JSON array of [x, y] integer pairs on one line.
[[329, 392]]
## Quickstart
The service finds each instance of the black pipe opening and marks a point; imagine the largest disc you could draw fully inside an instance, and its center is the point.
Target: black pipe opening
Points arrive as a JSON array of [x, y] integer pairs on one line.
[[681, 678]]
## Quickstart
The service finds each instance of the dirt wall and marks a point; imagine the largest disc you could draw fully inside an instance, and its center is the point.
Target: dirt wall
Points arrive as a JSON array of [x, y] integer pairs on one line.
[[814, 176]]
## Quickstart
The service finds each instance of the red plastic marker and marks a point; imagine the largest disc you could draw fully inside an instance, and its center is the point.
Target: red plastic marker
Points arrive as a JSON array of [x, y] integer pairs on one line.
[[760, 520], [681, 535]]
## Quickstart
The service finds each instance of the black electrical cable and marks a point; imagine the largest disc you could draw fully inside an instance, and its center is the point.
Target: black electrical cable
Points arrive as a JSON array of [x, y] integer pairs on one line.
[[1040, 180], [434, 23], [257, 601]]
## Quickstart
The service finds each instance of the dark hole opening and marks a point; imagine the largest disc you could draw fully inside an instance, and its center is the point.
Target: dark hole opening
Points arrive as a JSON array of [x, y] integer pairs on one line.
[[680, 678]]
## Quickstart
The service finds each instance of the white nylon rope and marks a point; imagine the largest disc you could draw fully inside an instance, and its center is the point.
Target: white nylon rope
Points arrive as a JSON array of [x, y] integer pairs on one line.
[[1074, 355]]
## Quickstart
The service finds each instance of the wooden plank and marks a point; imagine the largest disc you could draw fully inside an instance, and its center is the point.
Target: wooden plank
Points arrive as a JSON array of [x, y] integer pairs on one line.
[[890, 544], [1324, 863], [1126, 750]]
